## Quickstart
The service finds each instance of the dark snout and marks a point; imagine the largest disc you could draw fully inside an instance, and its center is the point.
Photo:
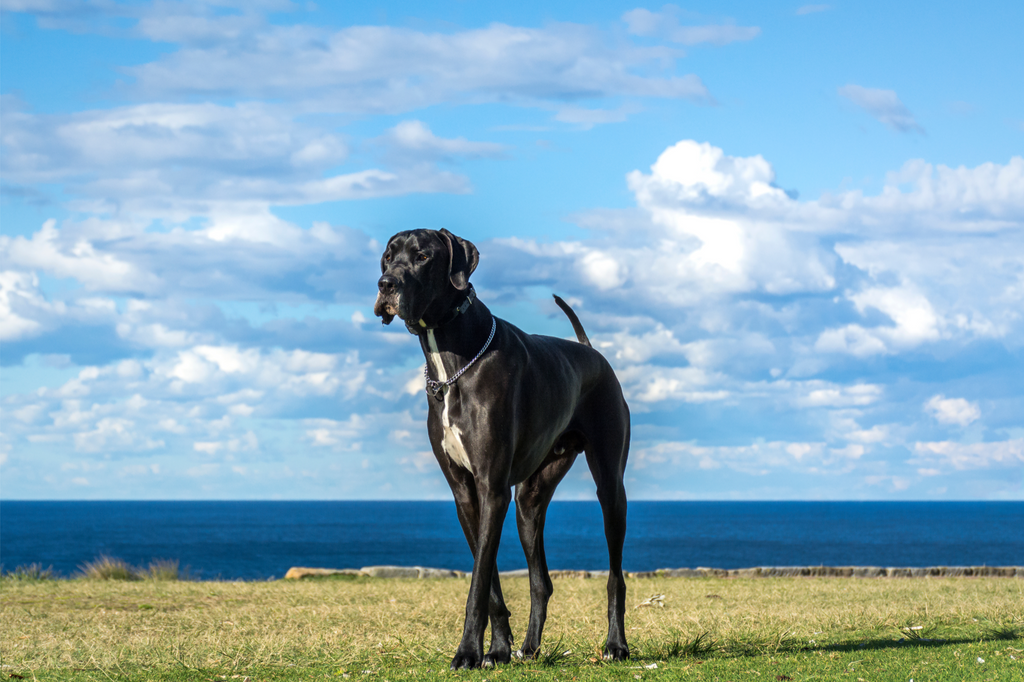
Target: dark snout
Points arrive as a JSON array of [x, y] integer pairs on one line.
[[387, 284], [386, 306]]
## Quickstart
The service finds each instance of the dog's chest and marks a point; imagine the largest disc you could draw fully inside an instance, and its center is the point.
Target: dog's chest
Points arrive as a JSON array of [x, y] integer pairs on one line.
[[451, 440]]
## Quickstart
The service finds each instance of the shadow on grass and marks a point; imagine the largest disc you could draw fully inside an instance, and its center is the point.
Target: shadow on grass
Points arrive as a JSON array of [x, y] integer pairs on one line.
[[911, 638], [773, 646], [877, 644]]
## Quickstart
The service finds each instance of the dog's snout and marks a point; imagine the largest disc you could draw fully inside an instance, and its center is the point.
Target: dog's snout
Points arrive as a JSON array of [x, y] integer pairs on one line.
[[387, 284]]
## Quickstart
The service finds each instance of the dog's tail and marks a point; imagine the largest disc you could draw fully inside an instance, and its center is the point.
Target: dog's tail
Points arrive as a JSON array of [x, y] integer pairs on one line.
[[581, 335]]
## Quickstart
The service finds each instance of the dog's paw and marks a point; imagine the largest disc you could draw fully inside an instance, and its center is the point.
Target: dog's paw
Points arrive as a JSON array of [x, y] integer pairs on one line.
[[467, 660], [497, 657], [528, 651], [616, 652]]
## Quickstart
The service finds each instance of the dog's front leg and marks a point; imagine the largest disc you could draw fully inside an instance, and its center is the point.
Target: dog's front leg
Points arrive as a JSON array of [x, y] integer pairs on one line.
[[494, 503], [468, 507]]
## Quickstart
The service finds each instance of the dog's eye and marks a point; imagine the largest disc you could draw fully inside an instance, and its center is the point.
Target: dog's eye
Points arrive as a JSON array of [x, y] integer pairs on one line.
[[387, 257], [421, 257]]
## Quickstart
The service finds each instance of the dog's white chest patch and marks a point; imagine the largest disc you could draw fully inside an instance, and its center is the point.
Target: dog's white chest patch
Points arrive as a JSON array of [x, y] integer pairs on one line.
[[451, 441]]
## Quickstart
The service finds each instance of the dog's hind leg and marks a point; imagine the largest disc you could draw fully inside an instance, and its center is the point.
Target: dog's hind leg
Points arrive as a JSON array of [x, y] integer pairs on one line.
[[532, 498], [606, 457]]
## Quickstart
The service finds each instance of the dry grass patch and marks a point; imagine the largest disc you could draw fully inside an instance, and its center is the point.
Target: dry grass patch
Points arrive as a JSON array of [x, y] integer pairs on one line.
[[403, 628], [110, 568]]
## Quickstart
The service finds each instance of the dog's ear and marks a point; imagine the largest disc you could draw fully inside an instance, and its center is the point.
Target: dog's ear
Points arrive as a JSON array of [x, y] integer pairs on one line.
[[463, 258]]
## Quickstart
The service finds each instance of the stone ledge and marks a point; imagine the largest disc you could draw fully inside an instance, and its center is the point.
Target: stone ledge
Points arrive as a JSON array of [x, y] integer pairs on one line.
[[300, 572], [422, 572], [836, 572]]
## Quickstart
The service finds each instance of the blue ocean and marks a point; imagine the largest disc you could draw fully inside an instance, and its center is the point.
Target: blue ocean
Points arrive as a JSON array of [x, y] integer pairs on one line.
[[261, 540]]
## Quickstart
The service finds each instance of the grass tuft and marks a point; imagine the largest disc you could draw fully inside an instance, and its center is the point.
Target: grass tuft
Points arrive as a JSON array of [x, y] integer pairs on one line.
[[1002, 632], [556, 654], [164, 569], [108, 568], [679, 647], [31, 573], [913, 632], [765, 643]]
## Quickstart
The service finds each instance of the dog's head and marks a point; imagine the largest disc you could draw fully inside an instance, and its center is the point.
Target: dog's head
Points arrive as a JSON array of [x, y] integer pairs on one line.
[[424, 274]]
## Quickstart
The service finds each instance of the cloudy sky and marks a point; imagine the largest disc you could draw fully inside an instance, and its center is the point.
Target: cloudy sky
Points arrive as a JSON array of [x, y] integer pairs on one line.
[[796, 231]]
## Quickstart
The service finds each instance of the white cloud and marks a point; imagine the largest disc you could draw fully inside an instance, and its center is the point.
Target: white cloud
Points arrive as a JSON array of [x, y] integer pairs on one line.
[[692, 173], [706, 236], [414, 139], [823, 394], [627, 348], [653, 384], [163, 24], [915, 323], [952, 410], [713, 238], [238, 255], [884, 105], [930, 258], [588, 118], [197, 394], [20, 300], [812, 9], [244, 137], [963, 456], [245, 443], [200, 21], [982, 299], [382, 69], [894, 483], [349, 435], [176, 161], [206, 369], [756, 459], [420, 462], [77, 259], [914, 316], [665, 23], [876, 434], [113, 434], [713, 230], [985, 198]]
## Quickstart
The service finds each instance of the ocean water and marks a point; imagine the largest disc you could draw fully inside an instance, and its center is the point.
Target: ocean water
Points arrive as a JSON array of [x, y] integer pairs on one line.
[[261, 540]]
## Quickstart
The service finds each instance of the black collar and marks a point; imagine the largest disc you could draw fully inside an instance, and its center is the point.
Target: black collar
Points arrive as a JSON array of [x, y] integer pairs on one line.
[[455, 312]]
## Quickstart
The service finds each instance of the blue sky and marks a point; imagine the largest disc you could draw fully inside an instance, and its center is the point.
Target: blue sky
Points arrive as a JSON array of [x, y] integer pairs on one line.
[[797, 232]]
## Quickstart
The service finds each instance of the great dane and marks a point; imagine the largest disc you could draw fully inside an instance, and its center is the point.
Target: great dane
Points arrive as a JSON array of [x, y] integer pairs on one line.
[[507, 409]]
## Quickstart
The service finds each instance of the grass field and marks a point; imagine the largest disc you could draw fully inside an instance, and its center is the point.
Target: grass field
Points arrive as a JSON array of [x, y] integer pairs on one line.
[[773, 629]]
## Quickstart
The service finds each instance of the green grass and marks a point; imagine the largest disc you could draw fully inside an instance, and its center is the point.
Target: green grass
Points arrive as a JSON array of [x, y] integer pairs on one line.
[[368, 629]]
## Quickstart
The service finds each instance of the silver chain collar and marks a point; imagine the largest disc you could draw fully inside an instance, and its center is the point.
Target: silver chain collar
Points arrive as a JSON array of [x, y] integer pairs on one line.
[[439, 388]]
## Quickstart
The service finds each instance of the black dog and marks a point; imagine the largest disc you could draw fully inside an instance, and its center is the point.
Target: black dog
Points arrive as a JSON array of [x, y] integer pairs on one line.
[[526, 406]]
